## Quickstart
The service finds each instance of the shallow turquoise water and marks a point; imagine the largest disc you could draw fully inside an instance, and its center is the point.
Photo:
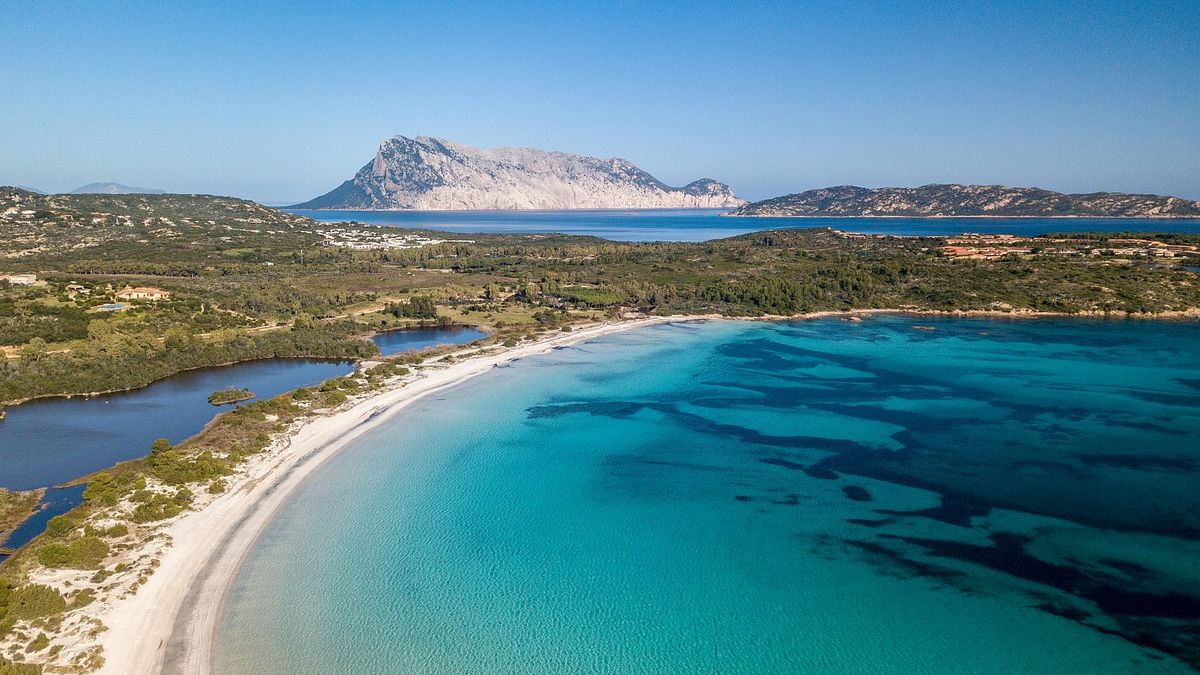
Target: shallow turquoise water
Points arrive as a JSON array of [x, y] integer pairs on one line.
[[895, 495]]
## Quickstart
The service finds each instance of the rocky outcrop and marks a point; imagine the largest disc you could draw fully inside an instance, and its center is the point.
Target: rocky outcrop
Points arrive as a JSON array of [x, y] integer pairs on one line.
[[437, 174]]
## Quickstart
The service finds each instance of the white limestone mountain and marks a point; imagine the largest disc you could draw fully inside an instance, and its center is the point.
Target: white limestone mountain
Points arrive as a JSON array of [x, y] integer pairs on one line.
[[436, 174], [113, 189]]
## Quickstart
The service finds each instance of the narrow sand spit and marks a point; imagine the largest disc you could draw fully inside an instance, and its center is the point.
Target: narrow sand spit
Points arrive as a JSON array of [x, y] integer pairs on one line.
[[169, 624]]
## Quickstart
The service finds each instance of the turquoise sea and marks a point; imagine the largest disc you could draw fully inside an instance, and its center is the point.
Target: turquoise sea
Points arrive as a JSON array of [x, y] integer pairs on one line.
[[897, 495]]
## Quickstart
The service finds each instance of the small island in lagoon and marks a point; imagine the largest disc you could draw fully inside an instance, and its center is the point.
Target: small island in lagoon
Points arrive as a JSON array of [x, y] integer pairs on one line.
[[230, 395]]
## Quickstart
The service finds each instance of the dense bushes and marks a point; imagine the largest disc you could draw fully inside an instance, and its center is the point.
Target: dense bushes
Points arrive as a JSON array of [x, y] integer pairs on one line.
[[155, 506], [175, 468], [85, 553], [30, 602], [105, 490], [61, 526], [112, 360], [10, 668], [418, 307], [15, 507], [20, 322]]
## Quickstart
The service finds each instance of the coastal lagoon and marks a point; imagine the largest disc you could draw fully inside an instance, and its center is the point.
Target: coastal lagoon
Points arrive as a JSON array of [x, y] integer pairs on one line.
[[415, 339], [706, 224], [50, 441], [892, 495]]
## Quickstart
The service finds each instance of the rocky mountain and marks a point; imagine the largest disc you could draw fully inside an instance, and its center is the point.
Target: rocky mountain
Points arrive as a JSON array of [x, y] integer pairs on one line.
[[437, 174], [969, 200], [113, 189]]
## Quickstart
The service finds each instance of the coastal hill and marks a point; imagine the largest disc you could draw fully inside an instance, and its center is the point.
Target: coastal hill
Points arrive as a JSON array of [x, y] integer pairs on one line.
[[437, 174], [113, 189], [40, 224], [942, 200]]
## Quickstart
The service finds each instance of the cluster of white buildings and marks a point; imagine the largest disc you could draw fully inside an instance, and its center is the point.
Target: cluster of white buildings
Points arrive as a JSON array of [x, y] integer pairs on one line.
[[364, 240]]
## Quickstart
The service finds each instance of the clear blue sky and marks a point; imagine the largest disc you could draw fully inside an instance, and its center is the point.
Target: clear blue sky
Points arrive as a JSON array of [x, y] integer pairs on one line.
[[284, 102]]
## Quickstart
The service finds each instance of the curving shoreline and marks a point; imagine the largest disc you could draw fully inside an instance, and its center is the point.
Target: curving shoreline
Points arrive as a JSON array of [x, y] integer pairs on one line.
[[169, 625]]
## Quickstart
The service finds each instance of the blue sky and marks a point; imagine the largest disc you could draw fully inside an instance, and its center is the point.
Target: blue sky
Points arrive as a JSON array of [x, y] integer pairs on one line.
[[283, 102]]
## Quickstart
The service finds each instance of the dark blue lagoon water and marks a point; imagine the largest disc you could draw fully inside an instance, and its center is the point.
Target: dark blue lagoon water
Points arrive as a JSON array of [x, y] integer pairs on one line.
[[412, 339], [54, 440], [705, 224], [895, 495], [50, 441]]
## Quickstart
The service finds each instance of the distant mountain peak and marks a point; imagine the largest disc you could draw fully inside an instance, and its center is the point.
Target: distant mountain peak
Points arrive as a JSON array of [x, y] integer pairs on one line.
[[439, 174], [113, 189], [952, 199]]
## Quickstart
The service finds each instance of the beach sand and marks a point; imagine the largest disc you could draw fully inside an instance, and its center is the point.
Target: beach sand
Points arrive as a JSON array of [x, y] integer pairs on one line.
[[169, 624]]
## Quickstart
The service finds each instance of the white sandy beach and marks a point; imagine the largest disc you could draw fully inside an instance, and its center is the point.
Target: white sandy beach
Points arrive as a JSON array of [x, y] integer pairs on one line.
[[169, 624]]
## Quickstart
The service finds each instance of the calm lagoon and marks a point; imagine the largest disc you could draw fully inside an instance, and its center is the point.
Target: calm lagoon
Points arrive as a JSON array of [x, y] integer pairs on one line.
[[49, 441]]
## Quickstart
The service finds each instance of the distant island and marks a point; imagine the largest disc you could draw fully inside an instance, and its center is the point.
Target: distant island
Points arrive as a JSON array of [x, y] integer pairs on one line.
[[954, 200], [426, 173], [114, 189]]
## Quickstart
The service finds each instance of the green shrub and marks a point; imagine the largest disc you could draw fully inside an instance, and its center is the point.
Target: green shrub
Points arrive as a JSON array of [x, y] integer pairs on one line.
[[85, 553], [103, 490], [161, 506], [38, 644], [385, 370], [34, 601], [11, 668], [174, 468], [83, 597], [118, 530], [61, 526]]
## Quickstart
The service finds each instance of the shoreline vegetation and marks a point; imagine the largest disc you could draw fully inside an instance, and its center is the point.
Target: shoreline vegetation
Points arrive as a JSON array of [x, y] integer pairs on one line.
[[355, 347], [115, 362], [15, 508], [340, 354]]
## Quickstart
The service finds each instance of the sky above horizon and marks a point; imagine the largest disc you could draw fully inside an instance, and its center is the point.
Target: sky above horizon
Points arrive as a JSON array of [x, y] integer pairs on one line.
[[281, 103]]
